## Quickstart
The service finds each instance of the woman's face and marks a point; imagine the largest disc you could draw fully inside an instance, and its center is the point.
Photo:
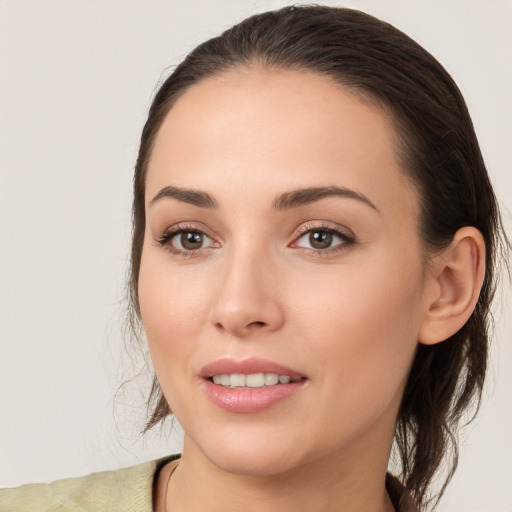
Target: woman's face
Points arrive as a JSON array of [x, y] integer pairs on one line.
[[281, 241]]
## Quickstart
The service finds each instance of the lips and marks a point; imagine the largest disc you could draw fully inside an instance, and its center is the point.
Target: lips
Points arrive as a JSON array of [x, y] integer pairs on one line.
[[246, 367], [249, 386]]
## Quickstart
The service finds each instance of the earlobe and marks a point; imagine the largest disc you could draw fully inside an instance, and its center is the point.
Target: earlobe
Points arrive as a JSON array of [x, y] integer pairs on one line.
[[457, 273]]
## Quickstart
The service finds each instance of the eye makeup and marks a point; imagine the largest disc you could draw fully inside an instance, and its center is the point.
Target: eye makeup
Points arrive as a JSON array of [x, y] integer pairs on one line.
[[319, 238]]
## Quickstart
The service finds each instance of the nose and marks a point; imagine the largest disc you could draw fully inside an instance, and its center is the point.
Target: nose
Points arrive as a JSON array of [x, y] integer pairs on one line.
[[248, 299]]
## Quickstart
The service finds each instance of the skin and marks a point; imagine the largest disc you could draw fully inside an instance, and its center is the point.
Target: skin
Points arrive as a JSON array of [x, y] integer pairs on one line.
[[348, 317]]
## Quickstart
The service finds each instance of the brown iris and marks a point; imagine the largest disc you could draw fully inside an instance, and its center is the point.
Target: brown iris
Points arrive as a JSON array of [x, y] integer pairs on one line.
[[191, 240], [320, 239]]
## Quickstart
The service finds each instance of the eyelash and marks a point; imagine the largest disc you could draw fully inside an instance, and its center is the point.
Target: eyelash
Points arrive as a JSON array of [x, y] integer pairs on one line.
[[347, 239], [164, 239]]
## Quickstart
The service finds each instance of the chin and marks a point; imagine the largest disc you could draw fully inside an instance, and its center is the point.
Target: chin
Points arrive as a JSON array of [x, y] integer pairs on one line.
[[245, 462], [262, 454]]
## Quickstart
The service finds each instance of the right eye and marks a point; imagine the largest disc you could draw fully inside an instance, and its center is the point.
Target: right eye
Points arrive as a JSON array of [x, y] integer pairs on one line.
[[183, 240], [190, 240]]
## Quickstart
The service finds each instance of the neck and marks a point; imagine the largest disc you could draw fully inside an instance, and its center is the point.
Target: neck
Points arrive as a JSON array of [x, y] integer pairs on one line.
[[337, 482]]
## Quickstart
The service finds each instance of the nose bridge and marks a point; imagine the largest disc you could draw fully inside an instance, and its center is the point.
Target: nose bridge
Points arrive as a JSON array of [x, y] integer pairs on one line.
[[247, 297]]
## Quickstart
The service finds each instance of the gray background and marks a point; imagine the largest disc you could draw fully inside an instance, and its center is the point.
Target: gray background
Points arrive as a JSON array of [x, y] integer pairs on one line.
[[76, 81]]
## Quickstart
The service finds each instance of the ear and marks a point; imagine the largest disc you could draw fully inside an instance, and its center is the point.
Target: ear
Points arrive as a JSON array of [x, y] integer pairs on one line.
[[457, 275]]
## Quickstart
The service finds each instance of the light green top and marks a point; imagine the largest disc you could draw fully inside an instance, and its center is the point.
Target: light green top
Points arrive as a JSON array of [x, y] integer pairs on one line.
[[124, 490]]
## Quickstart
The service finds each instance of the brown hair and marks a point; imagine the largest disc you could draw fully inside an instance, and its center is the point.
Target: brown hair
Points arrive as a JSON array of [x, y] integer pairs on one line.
[[439, 152]]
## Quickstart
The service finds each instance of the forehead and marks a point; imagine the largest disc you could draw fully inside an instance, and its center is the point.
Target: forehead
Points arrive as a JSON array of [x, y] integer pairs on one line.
[[257, 126]]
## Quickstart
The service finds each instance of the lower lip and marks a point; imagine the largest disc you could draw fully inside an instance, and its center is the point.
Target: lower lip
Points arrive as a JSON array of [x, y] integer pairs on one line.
[[249, 400]]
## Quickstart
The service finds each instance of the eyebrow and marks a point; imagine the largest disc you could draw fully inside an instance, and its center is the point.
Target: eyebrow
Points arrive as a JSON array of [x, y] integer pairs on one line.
[[306, 196], [186, 195], [286, 201]]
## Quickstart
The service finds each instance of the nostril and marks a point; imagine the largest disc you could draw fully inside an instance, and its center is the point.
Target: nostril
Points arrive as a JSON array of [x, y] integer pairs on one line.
[[257, 323]]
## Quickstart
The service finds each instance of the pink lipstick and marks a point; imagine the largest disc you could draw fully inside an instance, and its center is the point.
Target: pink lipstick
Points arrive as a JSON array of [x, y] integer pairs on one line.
[[249, 386]]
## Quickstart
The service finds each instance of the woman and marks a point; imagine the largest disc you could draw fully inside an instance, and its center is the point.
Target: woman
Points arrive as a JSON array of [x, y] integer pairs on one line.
[[313, 261]]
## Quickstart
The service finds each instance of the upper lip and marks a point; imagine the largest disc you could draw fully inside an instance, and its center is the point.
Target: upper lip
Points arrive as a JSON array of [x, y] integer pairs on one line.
[[246, 366]]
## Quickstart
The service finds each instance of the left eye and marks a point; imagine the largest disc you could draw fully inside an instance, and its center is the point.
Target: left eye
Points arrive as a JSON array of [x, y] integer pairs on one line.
[[319, 239]]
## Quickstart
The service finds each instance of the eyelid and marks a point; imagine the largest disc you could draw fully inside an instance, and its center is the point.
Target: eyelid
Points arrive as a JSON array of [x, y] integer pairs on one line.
[[345, 234], [323, 225], [164, 239]]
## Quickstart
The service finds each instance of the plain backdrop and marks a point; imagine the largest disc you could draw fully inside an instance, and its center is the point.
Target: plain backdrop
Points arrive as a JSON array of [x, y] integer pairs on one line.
[[77, 78]]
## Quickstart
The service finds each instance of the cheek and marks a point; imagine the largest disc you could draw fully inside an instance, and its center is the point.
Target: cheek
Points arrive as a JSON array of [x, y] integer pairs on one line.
[[173, 307], [172, 311], [379, 298], [363, 327]]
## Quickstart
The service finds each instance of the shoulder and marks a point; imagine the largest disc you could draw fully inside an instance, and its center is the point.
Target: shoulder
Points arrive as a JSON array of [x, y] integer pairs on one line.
[[128, 489]]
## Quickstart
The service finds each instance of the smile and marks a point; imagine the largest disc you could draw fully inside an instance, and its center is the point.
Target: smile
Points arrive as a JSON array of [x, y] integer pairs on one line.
[[250, 385], [253, 380]]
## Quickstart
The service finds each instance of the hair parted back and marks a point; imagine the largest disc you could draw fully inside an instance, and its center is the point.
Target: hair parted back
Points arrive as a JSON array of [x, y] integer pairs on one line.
[[439, 152]]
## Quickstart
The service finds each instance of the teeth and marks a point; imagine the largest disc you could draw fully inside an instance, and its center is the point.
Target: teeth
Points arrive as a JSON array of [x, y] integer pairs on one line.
[[237, 380], [271, 379], [254, 380]]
